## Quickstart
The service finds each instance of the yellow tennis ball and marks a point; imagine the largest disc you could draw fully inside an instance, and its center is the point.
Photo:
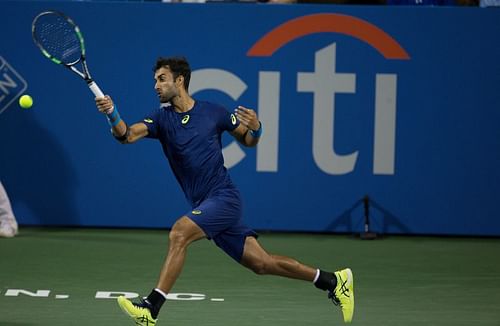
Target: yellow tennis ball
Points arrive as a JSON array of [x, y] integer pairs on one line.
[[25, 101]]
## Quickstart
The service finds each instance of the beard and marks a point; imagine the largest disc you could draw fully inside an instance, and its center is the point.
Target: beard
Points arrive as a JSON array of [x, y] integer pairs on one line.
[[166, 97]]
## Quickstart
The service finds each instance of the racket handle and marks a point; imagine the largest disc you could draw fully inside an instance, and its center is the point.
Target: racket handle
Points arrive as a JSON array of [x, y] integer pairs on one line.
[[95, 89]]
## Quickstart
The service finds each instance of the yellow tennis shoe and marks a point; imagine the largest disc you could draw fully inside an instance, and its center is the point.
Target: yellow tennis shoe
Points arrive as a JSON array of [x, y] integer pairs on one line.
[[343, 294], [139, 312]]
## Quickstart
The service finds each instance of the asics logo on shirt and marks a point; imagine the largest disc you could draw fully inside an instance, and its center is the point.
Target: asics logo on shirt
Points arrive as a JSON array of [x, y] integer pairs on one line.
[[196, 212], [148, 120], [233, 119], [185, 119]]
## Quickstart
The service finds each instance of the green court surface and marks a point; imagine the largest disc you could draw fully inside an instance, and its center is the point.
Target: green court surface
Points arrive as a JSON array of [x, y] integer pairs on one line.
[[398, 280]]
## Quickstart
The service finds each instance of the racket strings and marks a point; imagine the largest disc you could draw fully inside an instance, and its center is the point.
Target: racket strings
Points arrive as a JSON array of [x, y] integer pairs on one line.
[[58, 38]]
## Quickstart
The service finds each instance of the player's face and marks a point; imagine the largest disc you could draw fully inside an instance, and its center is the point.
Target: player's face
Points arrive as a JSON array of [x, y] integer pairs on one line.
[[165, 86]]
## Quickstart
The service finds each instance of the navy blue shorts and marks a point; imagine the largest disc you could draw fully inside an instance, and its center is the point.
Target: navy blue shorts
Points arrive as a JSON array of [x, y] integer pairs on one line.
[[220, 217]]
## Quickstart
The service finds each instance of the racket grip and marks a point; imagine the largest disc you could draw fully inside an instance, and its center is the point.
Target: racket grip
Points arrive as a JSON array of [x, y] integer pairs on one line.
[[95, 89]]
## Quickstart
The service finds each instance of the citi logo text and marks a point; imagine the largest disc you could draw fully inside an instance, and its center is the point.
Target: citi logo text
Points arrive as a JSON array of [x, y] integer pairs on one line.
[[324, 83]]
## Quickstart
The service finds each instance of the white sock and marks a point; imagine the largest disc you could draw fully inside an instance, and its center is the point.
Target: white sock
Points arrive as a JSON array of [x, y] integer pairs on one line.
[[162, 293], [317, 276]]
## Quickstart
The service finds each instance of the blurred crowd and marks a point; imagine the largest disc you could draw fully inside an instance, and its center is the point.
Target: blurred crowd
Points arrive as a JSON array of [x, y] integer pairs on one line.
[[482, 3]]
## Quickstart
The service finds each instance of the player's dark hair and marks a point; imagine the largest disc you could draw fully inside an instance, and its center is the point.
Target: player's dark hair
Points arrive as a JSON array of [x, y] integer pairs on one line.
[[177, 65]]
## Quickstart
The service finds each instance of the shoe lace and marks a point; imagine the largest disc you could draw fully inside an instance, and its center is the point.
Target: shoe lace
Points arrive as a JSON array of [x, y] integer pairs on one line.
[[143, 319], [332, 297], [343, 291], [143, 304]]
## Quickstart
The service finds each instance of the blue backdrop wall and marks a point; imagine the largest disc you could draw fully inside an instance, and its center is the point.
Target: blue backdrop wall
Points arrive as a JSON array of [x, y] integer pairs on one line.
[[401, 104]]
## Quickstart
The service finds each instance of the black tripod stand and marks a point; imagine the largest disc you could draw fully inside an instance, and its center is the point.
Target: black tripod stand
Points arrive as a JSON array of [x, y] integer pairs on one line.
[[367, 235]]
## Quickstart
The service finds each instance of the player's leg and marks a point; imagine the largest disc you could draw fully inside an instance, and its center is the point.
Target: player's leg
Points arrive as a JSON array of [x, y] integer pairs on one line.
[[262, 263], [8, 223], [340, 285], [183, 233]]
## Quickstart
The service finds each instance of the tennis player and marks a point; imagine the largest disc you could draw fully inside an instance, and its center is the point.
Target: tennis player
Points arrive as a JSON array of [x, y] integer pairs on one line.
[[190, 134]]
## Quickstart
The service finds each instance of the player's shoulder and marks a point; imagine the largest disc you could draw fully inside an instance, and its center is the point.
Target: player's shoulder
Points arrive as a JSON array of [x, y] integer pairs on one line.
[[158, 114]]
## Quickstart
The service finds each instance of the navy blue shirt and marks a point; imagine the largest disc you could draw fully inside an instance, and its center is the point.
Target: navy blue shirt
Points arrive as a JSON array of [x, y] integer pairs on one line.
[[192, 144]]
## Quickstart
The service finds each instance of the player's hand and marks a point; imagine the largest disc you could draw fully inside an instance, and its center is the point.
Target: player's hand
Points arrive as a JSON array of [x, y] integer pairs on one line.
[[247, 117], [105, 104]]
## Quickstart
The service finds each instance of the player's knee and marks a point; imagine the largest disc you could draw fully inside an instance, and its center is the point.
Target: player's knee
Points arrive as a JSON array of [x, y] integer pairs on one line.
[[177, 238], [182, 234]]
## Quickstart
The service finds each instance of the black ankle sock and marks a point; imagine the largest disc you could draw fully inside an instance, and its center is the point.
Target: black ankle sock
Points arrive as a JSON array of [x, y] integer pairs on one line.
[[326, 281], [156, 299]]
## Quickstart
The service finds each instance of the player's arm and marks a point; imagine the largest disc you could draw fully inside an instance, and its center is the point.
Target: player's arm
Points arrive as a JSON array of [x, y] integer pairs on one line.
[[121, 131], [249, 130]]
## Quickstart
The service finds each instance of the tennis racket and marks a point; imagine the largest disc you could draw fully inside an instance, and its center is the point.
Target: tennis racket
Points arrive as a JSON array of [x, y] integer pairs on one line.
[[61, 40]]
